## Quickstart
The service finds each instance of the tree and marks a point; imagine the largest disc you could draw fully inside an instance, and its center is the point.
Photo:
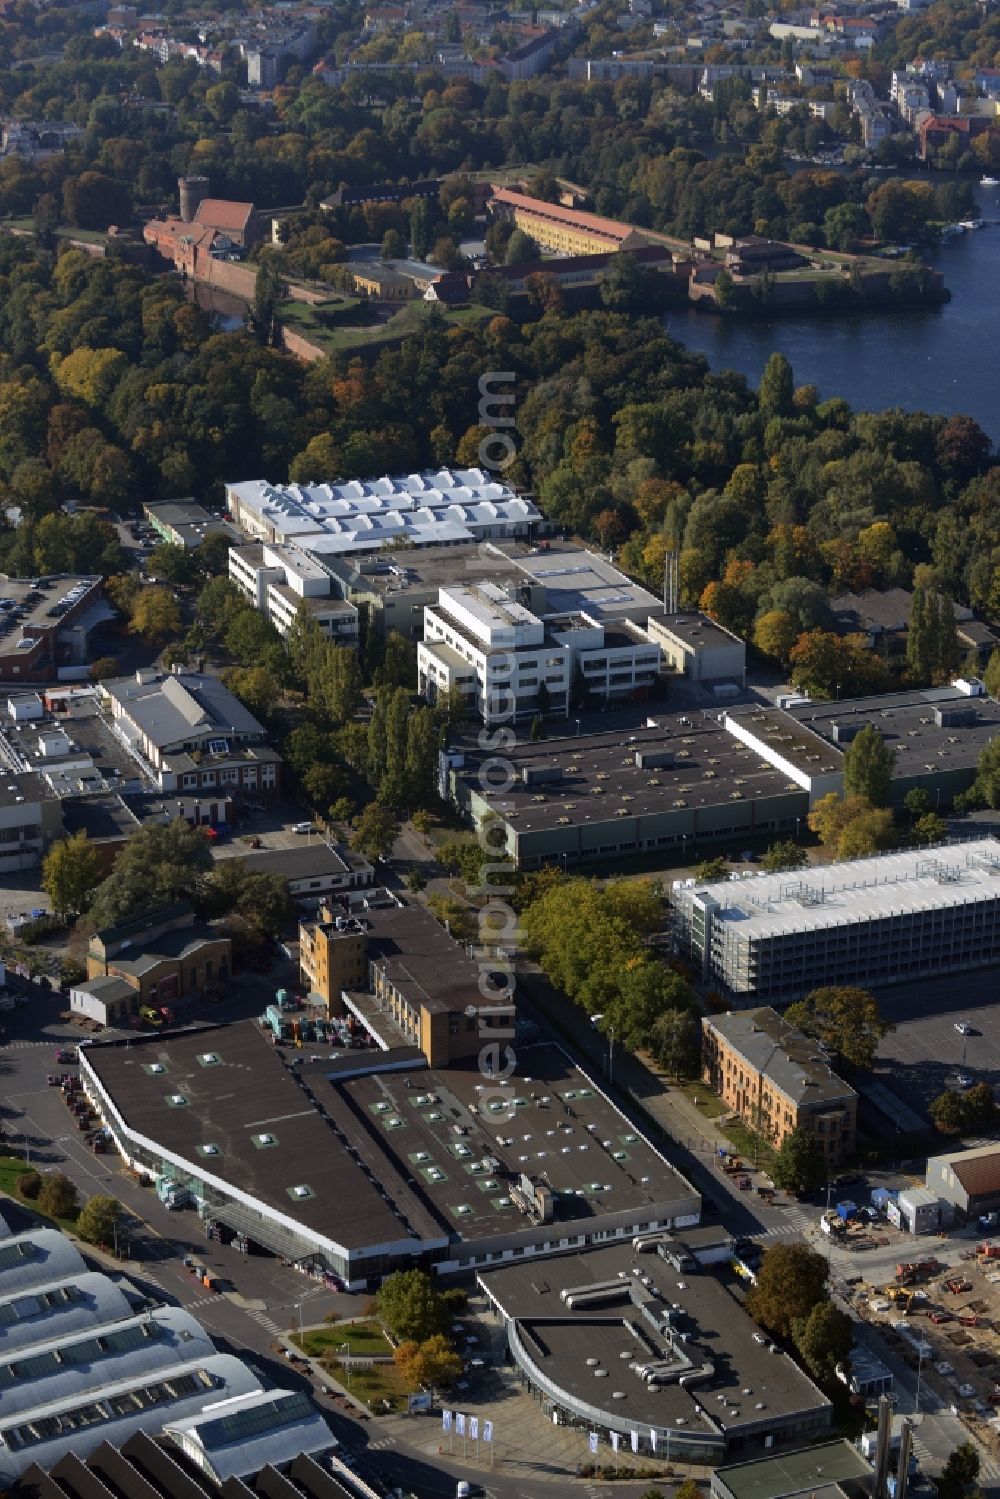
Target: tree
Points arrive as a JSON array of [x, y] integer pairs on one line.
[[688, 1489], [777, 388], [675, 1041], [420, 229], [783, 855], [790, 1282], [521, 248], [799, 1165], [851, 826], [269, 291], [917, 802], [156, 616], [104, 668], [57, 1196], [948, 1113], [868, 766], [824, 1341], [410, 1308], [931, 828], [71, 872], [775, 634], [711, 869], [846, 1019], [959, 1472], [158, 865], [991, 676], [375, 831], [428, 1365], [98, 1220], [415, 881], [174, 564], [828, 665]]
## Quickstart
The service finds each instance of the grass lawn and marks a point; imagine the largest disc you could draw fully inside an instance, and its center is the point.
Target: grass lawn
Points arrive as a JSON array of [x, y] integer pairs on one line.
[[366, 1339], [309, 322], [710, 1105], [373, 1386], [748, 1145], [11, 1167]]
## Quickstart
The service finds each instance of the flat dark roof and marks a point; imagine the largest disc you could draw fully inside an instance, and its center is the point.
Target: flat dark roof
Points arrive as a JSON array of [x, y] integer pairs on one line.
[[694, 629], [745, 1374], [599, 774], [564, 1132], [314, 859], [248, 1093], [906, 722], [424, 963]]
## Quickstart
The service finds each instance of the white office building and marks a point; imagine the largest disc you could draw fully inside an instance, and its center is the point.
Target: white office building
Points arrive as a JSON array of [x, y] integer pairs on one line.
[[512, 663], [364, 515], [870, 922], [280, 579]]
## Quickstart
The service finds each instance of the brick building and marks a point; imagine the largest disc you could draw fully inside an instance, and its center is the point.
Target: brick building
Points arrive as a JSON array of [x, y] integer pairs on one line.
[[163, 955], [777, 1080]]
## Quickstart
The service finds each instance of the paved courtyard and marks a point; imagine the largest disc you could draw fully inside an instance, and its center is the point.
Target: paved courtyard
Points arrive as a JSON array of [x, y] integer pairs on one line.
[[924, 1055]]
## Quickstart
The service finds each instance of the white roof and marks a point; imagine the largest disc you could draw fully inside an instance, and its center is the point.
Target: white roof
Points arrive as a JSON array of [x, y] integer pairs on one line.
[[857, 890], [448, 505]]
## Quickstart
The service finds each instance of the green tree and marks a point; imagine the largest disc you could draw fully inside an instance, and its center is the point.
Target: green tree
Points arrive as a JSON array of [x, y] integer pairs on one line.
[[847, 1020], [947, 1112], [158, 865], [917, 802], [783, 855], [173, 564], [959, 1472], [824, 1341], [57, 1196], [687, 1489], [725, 291], [790, 1282], [410, 1308], [675, 1041], [415, 881], [777, 388], [421, 226], [521, 248], [991, 676], [98, 1220], [799, 1165], [375, 831], [712, 869], [269, 291], [868, 767], [71, 872], [930, 828]]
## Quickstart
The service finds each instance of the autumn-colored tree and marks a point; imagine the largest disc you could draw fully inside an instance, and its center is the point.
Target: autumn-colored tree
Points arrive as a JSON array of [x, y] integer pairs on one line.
[[428, 1365], [775, 634], [790, 1282], [155, 615], [851, 826]]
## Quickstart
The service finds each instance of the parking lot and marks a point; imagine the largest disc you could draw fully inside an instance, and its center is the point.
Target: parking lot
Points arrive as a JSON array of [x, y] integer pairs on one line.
[[925, 1054]]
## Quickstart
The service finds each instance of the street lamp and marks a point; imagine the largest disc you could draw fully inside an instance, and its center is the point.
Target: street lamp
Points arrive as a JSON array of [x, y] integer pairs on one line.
[[920, 1370], [611, 1056], [348, 1361]]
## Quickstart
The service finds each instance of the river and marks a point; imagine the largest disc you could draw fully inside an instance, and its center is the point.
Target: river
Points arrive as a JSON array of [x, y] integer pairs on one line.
[[937, 360]]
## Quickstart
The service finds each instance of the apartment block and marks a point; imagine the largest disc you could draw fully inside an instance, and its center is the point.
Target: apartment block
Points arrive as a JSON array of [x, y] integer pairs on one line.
[[777, 1080]]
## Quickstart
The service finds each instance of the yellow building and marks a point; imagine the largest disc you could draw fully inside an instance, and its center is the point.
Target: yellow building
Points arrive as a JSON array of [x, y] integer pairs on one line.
[[381, 284], [399, 961], [566, 230]]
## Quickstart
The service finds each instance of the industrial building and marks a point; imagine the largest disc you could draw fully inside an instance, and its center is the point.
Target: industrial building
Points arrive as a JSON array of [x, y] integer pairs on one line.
[[673, 782], [282, 581], [185, 523], [777, 1081], [162, 956], [558, 577], [966, 1181], [144, 1466], [646, 1342], [190, 733], [373, 1161], [835, 1470], [396, 969], [936, 733], [365, 515], [85, 1363], [509, 663], [869, 922], [566, 230], [702, 650]]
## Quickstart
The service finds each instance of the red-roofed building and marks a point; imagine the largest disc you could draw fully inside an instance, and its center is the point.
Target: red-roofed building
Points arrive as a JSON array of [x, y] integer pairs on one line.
[[565, 229], [237, 221]]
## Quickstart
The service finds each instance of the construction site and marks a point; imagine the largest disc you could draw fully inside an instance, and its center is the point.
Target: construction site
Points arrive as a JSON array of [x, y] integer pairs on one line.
[[944, 1321]]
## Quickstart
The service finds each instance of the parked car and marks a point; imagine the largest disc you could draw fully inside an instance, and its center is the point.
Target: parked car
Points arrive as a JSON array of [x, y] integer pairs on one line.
[[302, 827], [66, 1054], [963, 1027]]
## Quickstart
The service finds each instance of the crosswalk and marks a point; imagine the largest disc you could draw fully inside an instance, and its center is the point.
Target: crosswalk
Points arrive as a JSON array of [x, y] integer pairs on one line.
[[382, 1443], [268, 1323]]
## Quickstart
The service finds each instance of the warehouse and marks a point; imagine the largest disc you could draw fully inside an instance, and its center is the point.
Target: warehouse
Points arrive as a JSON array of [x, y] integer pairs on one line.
[[969, 1180], [870, 922], [618, 1342], [936, 734], [364, 1164], [671, 782]]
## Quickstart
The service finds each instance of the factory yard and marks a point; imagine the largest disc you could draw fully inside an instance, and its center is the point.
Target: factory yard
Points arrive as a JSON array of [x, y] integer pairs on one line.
[[944, 1321]]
